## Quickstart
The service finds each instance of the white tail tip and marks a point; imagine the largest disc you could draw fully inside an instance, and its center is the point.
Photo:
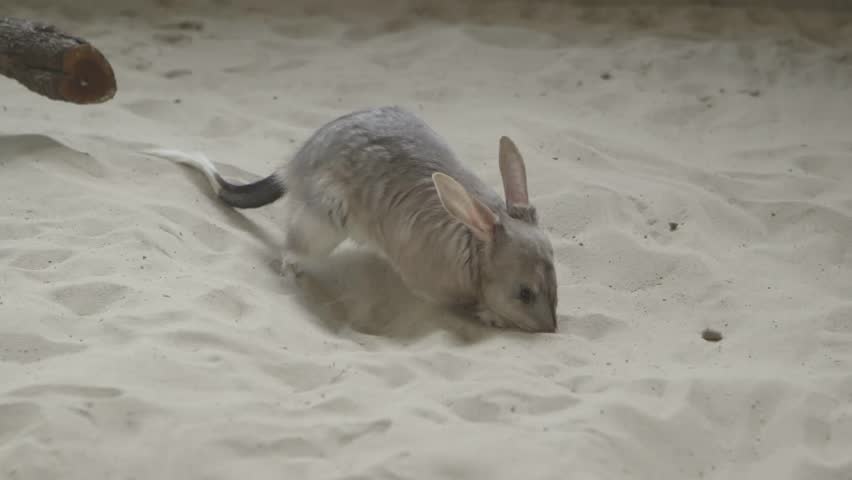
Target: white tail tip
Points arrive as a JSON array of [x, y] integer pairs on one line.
[[194, 159]]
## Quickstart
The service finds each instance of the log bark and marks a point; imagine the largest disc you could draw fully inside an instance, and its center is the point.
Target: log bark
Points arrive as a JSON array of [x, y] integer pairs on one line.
[[54, 64]]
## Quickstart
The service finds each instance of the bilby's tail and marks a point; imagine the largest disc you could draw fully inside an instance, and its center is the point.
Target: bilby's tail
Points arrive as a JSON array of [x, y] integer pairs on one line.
[[252, 195]]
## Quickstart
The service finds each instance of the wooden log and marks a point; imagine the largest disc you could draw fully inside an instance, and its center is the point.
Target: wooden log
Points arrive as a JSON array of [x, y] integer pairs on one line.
[[54, 64]]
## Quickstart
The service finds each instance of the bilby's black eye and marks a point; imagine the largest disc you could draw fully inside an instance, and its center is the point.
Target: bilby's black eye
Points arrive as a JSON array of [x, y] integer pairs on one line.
[[526, 295]]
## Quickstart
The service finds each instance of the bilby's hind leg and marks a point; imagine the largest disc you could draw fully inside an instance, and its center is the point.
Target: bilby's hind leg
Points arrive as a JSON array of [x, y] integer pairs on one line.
[[310, 236]]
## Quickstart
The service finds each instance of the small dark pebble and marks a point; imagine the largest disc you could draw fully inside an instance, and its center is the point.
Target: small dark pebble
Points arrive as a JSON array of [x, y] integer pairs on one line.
[[581, 244], [606, 76], [556, 158], [773, 214], [177, 100], [673, 226], [711, 335]]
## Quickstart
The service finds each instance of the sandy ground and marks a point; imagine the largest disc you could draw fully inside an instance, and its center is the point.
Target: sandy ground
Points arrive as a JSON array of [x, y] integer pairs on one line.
[[693, 166]]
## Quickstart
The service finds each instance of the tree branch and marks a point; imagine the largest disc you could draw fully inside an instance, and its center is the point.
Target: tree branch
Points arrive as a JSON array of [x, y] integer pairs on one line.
[[54, 64]]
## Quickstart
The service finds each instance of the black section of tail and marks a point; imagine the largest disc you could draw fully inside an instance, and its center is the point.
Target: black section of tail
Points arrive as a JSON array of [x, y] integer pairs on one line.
[[252, 195]]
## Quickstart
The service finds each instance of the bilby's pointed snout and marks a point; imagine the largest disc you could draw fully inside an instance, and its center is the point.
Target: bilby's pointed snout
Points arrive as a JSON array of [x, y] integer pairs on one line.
[[555, 319], [548, 325], [545, 318]]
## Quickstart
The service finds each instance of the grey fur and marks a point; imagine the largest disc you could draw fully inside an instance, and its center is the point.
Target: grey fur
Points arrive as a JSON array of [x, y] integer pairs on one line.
[[252, 195], [368, 176]]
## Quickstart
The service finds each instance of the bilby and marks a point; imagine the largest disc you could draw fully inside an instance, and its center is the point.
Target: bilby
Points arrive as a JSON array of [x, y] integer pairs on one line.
[[383, 178]]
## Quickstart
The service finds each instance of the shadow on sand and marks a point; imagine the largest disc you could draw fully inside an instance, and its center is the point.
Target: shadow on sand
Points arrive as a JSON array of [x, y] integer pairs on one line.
[[356, 289]]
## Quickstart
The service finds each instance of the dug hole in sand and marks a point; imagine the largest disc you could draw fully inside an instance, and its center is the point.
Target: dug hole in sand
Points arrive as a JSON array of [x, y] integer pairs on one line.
[[692, 164]]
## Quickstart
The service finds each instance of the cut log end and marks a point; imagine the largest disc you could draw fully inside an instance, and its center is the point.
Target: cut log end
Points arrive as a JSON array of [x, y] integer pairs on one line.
[[88, 77], [54, 64]]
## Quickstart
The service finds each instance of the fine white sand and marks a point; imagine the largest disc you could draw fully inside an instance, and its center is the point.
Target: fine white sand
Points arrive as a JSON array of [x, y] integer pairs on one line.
[[144, 333]]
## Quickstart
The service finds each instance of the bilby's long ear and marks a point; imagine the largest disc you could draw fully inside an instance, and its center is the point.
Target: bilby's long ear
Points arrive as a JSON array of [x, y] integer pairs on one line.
[[468, 210], [514, 174]]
